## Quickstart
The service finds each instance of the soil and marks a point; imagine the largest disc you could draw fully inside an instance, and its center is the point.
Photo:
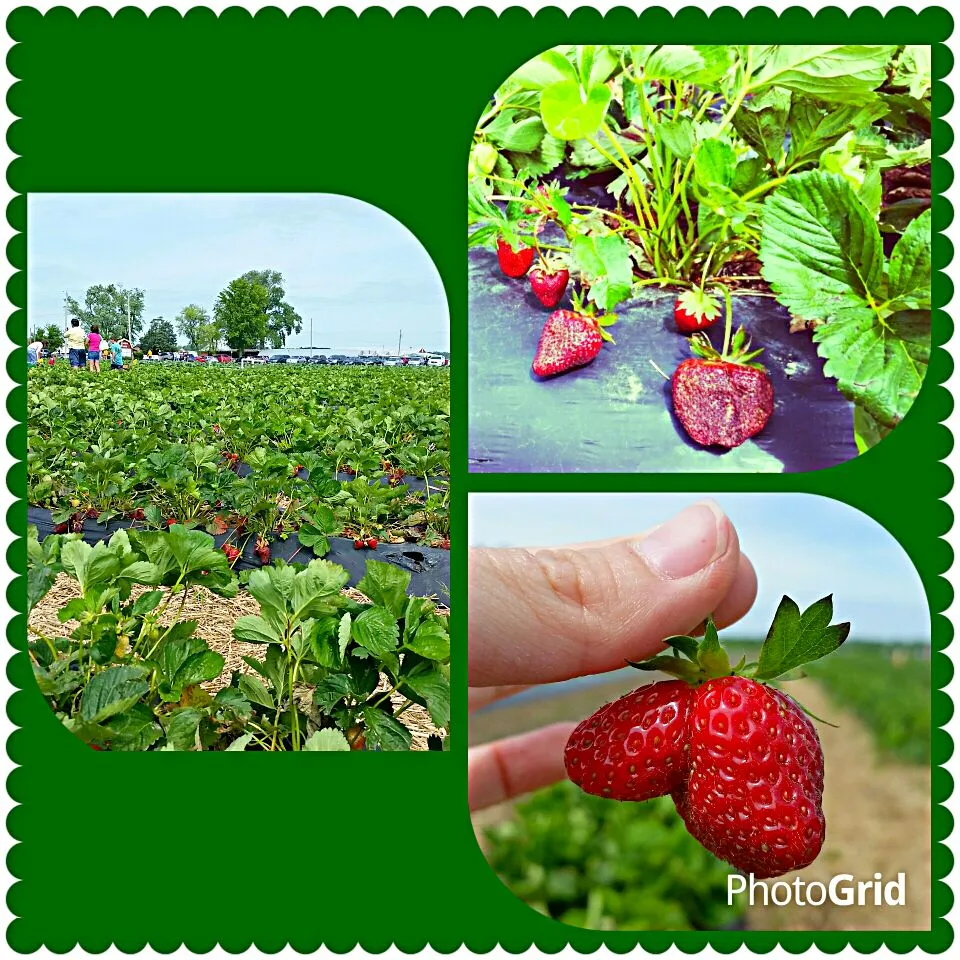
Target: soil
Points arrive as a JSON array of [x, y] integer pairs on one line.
[[877, 811], [215, 617]]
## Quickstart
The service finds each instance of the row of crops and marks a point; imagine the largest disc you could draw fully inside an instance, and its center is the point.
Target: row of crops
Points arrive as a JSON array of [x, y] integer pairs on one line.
[[362, 453], [146, 488]]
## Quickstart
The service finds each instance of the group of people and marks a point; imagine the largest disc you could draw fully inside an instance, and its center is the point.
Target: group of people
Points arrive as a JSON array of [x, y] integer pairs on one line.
[[85, 349]]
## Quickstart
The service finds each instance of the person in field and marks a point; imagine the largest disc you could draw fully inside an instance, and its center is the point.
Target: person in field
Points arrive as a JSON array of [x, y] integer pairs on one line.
[[116, 354], [93, 354], [76, 340], [34, 352]]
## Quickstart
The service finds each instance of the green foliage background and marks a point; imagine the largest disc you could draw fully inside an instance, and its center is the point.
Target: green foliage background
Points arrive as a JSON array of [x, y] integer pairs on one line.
[[376, 849]]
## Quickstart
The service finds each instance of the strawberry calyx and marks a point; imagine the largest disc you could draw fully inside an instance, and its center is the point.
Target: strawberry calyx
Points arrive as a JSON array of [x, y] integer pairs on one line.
[[589, 312], [738, 351], [699, 304], [795, 638]]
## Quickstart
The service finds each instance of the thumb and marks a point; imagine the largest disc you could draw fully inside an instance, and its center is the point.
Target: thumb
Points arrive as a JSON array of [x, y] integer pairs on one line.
[[549, 614]]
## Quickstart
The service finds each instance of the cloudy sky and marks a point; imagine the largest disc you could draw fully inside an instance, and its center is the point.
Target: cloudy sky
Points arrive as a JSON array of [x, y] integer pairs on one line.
[[356, 271], [802, 545]]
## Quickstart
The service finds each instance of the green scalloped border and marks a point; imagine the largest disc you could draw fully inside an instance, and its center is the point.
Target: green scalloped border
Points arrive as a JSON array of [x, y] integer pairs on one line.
[[475, 909]]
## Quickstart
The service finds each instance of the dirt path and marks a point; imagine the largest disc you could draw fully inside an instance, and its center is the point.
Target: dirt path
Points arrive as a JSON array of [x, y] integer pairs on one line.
[[878, 821], [877, 812]]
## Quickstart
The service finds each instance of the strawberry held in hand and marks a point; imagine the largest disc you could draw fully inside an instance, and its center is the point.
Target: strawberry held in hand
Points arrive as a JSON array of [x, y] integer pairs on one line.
[[514, 261], [695, 310], [570, 339], [741, 760], [722, 399]]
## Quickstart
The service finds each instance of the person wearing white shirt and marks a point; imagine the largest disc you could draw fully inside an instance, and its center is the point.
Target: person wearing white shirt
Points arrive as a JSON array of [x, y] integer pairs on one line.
[[76, 340]]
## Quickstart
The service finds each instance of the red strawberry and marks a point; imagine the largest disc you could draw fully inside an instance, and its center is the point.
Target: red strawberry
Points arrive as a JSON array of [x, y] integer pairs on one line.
[[137, 514], [60, 528], [514, 263], [636, 747], [171, 521], [569, 340], [372, 543], [93, 746], [358, 544], [695, 310], [548, 286], [444, 544], [93, 514], [756, 778], [722, 400], [740, 759], [262, 550], [230, 552]]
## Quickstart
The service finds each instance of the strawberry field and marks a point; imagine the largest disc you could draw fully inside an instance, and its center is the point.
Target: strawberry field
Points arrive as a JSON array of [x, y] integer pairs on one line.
[[321, 496], [699, 257]]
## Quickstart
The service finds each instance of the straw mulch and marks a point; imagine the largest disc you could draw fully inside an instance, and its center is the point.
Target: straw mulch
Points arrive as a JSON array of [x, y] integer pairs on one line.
[[215, 618]]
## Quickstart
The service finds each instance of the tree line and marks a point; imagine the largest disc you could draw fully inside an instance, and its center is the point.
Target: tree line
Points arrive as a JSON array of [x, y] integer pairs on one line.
[[250, 312]]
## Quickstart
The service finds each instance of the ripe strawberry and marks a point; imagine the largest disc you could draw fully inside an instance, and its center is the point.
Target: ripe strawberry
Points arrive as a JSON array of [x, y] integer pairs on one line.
[[444, 544], [695, 310], [262, 550], [722, 399], [60, 528], [753, 801], [230, 551], [514, 262], [372, 543], [137, 514], [740, 759], [569, 340], [93, 514], [636, 747], [171, 521], [548, 285], [358, 544]]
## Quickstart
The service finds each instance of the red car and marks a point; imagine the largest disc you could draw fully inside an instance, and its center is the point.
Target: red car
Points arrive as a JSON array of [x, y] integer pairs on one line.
[[224, 358]]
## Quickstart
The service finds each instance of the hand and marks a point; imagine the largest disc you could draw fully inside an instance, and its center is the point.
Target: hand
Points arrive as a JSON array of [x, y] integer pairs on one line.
[[540, 615]]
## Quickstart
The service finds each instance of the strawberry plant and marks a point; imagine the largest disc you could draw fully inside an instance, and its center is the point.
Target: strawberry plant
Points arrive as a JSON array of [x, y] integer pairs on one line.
[[740, 759], [129, 675], [773, 170]]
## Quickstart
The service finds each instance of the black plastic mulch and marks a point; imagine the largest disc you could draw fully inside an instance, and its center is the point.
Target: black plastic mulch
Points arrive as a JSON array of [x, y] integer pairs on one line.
[[616, 415]]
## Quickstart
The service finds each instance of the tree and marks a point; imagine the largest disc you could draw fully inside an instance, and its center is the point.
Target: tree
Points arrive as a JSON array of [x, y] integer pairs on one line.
[[52, 336], [160, 338], [190, 321], [282, 319], [209, 336], [240, 312], [106, 306]]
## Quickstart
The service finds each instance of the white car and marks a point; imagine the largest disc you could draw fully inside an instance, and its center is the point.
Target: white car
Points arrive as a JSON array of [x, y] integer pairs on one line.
[[254, 359], [436, 362]]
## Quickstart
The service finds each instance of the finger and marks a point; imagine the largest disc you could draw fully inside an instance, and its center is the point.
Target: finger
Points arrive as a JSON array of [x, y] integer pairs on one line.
[[508, 768], [548, 615], [479, 697]]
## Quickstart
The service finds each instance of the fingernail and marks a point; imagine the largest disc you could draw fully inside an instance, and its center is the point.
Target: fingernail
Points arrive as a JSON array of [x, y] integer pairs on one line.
[[690, 541]]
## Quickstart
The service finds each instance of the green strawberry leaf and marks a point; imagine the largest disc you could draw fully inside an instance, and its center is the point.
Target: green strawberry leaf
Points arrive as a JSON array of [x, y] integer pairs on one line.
[[797, 638]]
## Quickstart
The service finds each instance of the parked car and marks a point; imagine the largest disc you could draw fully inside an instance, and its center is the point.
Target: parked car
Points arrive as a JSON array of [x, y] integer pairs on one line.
[[279, 358], [224, 358], [436, 362], [149, 359], [321, 360], [254, 359], [391, 361]]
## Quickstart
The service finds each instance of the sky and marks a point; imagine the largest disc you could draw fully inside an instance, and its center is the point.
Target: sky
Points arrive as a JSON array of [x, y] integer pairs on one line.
[[360, 274], [801, 545]]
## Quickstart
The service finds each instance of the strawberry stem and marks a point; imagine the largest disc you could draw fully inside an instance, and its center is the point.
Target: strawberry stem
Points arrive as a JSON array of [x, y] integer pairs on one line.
[[728, 324]]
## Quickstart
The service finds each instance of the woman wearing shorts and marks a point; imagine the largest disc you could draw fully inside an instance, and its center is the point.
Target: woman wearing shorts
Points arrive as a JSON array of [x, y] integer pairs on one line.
[[93, 352]]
